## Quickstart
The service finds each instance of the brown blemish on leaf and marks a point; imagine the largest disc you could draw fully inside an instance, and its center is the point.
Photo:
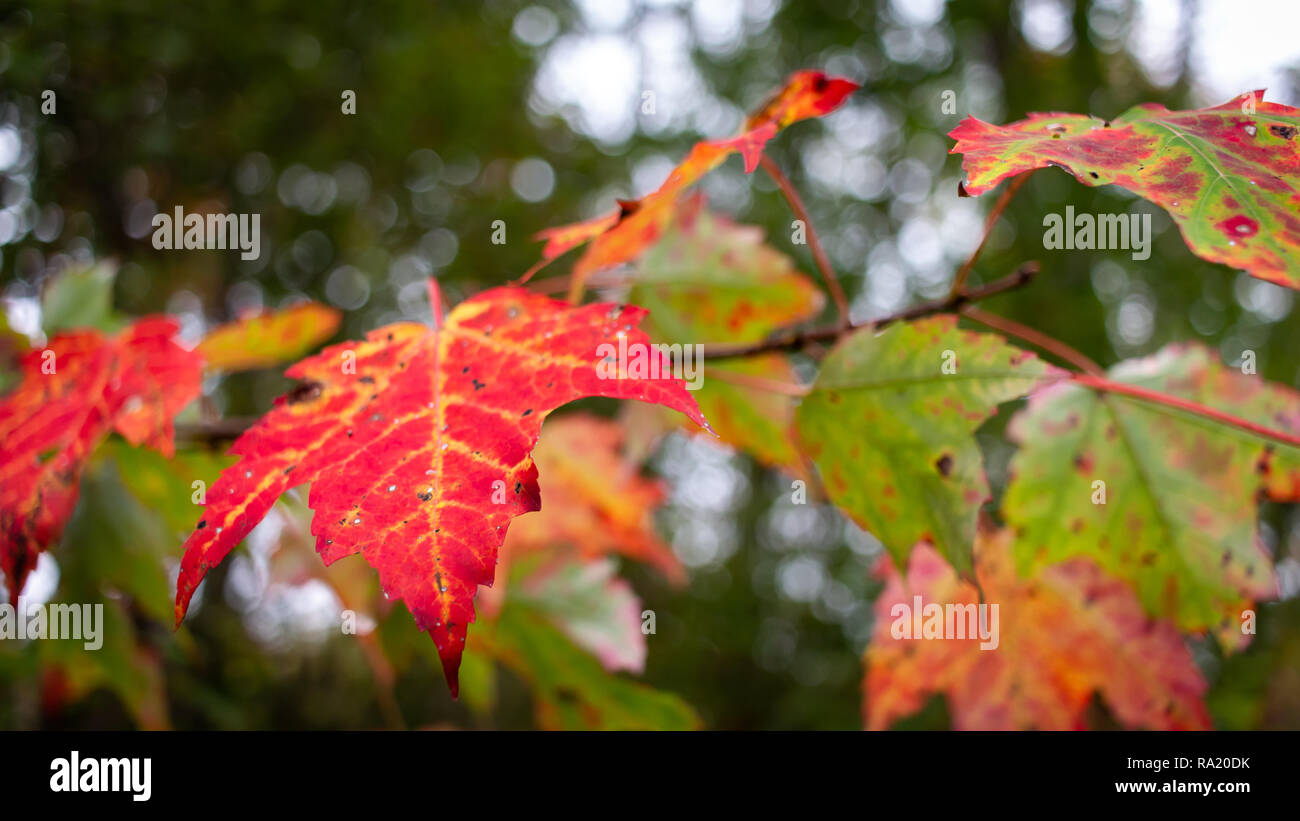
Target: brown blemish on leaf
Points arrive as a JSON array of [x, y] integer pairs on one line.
[[306, 392], [944, 465]]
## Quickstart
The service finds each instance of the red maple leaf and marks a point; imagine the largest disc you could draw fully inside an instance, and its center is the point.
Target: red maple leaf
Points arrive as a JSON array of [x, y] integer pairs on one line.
[[73, 393], [417, 445]]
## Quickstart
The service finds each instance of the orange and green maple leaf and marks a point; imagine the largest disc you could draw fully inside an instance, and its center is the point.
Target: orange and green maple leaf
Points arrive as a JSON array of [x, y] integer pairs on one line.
[[1178, 518], [1063, 635], [622, 235], [1228, 175], [417, 442], [75, 392]]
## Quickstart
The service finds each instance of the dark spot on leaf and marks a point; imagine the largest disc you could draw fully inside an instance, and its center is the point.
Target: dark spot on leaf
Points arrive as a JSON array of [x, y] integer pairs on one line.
[[1286, 132], [203, 524], [305, 392], [566, 694], [944, 464], [369, 380], [527, 412], [478, 386]]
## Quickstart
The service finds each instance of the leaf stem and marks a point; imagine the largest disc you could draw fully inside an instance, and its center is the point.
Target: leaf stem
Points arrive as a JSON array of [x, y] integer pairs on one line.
[[435, 302], [797, 339], [1036, 338], [1095, 378], [1101, 383], [759, 382], [959, 280], [814, 243]]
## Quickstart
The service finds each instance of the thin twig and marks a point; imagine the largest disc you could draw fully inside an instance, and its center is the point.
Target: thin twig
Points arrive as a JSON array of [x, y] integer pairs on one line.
[[814, 243], [959, 280], [1035, 338], [797, 339], [217, 430]]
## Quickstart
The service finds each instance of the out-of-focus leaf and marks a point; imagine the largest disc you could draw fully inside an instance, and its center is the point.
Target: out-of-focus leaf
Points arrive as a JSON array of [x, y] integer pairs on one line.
[[124, 572], [270, 338], [596, 501], [12, 347], [571, 690], [478, 673], [128, 543], [711, 280], [74, 392], [593, 607], [749, 416], [80, 298], [167, 486], [1259, 688], [1062, 635], [131, 670]]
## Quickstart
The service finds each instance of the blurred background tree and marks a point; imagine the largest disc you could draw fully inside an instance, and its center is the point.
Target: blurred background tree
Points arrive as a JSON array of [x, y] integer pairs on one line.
[[536, 114]]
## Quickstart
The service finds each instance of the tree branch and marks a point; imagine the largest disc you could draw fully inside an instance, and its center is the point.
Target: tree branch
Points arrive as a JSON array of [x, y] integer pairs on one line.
[[797, 339], [217, 430]]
